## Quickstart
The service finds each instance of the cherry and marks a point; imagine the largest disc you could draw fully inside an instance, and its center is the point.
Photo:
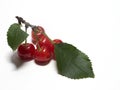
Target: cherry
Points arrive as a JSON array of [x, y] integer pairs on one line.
[[26, 51], [42, 56], [36, 33], [56, 41], [45, 41]]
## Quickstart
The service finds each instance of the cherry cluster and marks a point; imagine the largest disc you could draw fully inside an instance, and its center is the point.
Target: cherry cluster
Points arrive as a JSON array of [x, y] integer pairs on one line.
[[41, 50]]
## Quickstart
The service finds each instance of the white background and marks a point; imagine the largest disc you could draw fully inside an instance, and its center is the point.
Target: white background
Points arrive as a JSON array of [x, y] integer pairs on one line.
[[93, 26]]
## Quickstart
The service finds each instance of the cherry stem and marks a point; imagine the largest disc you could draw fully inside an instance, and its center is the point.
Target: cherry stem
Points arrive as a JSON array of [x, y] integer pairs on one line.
[[26, 32], [27, 24]]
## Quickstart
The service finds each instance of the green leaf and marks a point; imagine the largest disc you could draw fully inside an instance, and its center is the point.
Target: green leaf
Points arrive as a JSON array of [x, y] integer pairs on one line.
[[72, 63], [15, 36]]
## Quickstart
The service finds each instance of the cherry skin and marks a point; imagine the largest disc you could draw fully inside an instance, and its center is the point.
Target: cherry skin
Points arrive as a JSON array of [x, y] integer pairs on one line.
[[42, 56], [56, 41], [26, 51], [45, 41], [36, 33]]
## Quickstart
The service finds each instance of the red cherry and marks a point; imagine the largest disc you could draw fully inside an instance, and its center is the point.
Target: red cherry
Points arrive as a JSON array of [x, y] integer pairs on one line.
[[26, 51], [56, 41], [42, 56], [45, 41], [36, 33]]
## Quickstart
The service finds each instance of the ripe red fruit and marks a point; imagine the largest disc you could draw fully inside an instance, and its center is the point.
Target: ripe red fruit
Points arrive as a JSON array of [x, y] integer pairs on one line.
[[36, 33], [26, 51], [42, 56], [57, 41], [45, 41]]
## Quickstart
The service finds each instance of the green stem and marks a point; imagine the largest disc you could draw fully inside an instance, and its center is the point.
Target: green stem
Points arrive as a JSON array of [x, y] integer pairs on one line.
[[26, 32], [48, 38], [35, 32]]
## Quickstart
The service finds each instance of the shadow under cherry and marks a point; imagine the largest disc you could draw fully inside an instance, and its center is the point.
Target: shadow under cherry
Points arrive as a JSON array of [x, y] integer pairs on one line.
[[16, 60]]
